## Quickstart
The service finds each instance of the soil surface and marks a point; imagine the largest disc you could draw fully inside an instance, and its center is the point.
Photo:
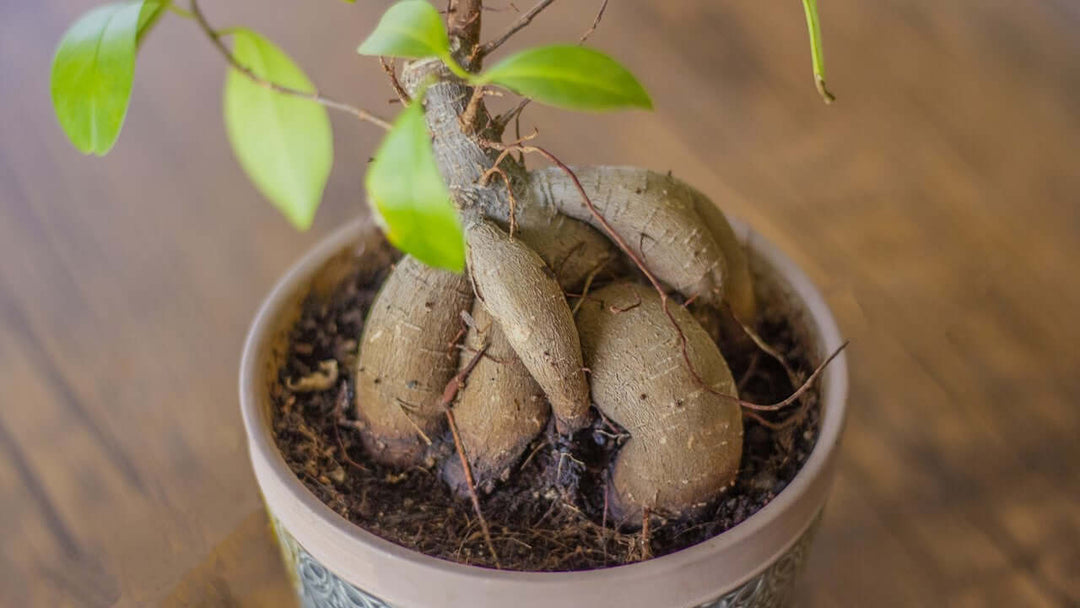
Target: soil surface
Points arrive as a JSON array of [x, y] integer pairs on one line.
[[550, 515]]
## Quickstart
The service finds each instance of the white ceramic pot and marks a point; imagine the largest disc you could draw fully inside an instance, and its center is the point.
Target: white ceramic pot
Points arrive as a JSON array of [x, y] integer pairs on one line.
[[338, 564]]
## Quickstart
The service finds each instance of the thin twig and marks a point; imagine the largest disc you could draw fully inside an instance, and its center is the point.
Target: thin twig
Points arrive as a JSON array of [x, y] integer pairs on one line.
[[500, 121], [448, 395], [215, 38], [595, 23], [521, 23], [402, 94]]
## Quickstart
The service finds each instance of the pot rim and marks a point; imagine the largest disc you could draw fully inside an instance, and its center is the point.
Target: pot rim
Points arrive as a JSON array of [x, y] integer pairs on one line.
[[271, 467]]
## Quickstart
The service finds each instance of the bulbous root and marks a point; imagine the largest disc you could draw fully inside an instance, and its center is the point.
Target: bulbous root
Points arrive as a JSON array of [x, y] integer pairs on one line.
[[500, 410], [680, 407], [679, 233], [522, 295], [653, 213], [686, 437], [406, 359]]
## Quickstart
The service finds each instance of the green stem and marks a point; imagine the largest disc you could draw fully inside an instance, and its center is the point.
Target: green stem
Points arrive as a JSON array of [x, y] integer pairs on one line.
[[171, 7], [817, 55]]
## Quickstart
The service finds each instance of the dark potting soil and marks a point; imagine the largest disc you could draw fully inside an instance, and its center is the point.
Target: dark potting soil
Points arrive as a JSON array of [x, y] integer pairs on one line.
[[550, 515]]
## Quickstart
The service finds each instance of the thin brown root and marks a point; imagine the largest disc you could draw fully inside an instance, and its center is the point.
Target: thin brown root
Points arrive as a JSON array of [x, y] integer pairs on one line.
[[339, 411], [749, 373], [533, 454], [408, 418], [799, 391], [765, 347], [495, 170], [588, 283], [616, 310], [595, 23], [453, 346], [448, 395]]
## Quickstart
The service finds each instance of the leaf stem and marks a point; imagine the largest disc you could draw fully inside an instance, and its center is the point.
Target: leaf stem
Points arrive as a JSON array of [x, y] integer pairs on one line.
[[171, 7], [817, 54], [456, 68], [215, 38]]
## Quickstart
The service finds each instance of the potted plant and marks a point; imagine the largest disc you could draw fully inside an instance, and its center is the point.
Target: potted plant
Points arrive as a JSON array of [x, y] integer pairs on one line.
[[575, 386]]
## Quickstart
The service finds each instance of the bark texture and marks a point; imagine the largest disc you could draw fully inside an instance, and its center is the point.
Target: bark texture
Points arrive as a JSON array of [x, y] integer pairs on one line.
[[521, 293], [653, 213], [500, 410], [686, 439], [406, 359]]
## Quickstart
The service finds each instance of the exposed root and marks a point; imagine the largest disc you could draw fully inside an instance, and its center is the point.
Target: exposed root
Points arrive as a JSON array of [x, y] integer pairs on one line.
[[805, 386], [451, 390], [621, 242], [340, 404], [403, 363], [649, 215], [519, 291], [499, 412], [646, 538], [685, 442]]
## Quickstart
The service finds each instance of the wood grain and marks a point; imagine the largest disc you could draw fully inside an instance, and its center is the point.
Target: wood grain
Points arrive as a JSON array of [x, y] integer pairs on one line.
[[936, 204]]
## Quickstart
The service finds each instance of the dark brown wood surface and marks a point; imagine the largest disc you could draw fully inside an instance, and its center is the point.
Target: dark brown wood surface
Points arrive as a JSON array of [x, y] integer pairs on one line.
[[937, 204]]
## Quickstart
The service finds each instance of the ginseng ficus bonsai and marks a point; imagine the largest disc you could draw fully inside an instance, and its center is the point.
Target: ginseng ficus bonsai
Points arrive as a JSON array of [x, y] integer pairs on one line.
[[499, 260]]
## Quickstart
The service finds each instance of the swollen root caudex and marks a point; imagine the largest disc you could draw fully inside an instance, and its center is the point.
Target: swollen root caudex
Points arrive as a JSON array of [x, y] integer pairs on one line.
[[685, 425], [532, 242]]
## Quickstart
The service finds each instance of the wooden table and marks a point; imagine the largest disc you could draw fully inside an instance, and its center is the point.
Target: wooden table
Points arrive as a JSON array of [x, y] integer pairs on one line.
[[936, 204]]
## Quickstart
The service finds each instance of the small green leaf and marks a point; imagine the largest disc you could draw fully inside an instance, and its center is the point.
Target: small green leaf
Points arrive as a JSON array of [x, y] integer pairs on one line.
[[283, 142], [410, 199], [567, 76], [92, 74], [412, 29]]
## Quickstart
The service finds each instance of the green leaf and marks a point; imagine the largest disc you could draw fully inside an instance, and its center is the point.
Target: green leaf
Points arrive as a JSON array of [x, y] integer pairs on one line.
[[283, 142], [410, 198], [92, 74], [568, 76], [148, 17], [411, 29]]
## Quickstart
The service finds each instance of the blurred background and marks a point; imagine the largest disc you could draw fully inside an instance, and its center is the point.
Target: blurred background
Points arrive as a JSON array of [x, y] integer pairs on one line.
[[936, 204]]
